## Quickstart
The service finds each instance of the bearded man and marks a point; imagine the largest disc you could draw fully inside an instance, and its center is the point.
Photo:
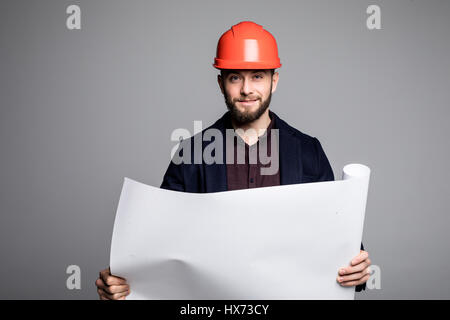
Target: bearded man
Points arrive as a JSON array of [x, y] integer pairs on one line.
[[247, 56]]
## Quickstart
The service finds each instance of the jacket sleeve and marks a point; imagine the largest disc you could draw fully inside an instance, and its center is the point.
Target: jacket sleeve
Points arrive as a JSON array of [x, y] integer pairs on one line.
[[174, 177], [325, 173]]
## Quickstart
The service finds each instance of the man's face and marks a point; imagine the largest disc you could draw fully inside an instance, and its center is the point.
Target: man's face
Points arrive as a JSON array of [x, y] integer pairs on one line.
[[247, 93]]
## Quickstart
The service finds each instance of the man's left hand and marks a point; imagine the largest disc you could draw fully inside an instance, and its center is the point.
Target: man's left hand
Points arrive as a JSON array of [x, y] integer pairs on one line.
[[357, 273]]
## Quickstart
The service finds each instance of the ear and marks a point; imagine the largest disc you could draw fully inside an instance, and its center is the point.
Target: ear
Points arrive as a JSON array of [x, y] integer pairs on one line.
[[219, 81], [275, 78]]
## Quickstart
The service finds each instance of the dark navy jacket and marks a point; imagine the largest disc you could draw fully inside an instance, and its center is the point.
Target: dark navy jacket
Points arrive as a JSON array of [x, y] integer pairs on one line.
[[301, 160]]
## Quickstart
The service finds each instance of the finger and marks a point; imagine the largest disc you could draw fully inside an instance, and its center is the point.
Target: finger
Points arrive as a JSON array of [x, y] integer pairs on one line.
[[99, 282], [353, 269], [117, 296], [102, 295], [115, 281], [113, 288], [104, 274], [109, 279], [118, 289], [109, 273], [354, 276], [356, 282], [102, 285], [363, 255], [114, 296]]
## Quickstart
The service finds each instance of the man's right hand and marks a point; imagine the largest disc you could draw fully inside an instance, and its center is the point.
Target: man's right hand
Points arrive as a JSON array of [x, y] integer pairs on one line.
[[110, 287]]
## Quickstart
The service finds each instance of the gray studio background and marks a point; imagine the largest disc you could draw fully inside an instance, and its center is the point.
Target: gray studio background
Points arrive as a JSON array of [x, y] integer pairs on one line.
[[82, 109]]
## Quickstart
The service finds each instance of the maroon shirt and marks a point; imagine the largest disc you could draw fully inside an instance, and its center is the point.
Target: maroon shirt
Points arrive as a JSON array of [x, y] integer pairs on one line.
[[248, 175]]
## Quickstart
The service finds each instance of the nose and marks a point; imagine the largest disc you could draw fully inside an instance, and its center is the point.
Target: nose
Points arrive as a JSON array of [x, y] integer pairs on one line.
[[246, 88]]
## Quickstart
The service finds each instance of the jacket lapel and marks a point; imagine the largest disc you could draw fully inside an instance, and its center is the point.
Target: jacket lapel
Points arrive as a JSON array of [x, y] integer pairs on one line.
[[291, 170], [216, 173]]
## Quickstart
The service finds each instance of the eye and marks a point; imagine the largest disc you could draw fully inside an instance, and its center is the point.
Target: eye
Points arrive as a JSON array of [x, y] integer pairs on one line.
[[258, 76], [234, 78]]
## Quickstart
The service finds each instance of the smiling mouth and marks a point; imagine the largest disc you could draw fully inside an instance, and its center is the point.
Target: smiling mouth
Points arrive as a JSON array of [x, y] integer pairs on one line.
[[245, 102]]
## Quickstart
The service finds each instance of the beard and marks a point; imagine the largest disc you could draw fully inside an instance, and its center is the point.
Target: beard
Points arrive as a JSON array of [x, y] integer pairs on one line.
[[246, 116]]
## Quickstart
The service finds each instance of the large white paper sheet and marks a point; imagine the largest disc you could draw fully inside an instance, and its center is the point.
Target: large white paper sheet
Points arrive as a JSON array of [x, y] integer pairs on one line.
[[283, 242]]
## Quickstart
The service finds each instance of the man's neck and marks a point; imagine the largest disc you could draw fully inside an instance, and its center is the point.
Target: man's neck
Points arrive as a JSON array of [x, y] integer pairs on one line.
[[259, 126]]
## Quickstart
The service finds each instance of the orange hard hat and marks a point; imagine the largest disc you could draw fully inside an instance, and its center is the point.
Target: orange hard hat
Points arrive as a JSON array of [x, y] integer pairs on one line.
[[247, 46]]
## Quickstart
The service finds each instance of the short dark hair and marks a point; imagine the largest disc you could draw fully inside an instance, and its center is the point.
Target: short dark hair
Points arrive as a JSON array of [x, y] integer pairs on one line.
[[225, 72]]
